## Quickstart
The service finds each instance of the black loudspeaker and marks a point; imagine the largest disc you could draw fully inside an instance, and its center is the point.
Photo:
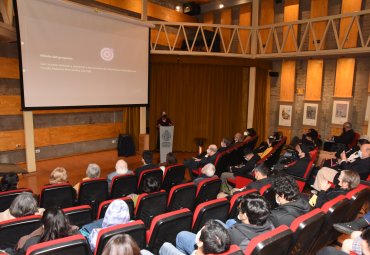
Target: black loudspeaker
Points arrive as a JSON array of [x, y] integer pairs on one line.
[[191, 8], [274, 74], [278, 1], [125, 146]]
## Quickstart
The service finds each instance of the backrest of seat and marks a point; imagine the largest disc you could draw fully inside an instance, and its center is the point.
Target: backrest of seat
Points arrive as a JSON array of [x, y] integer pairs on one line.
[[173, 175], [207, 190], [104, 206], [214, 209], [92, 192], [79, 215], [150, 205], [355, 140], [233, 250], [269, 194], [12, 230], [136, 229], [181, 196], [358, 197], [72, 245], [275, 242], [165, 227], [275, 153], [7, 197], [156, 173], [123, 185], [306, 229], [235, 200], [57, 195], [221, 162]]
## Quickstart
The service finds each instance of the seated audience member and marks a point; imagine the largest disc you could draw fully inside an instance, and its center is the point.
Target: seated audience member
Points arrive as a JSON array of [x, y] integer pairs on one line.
[[225, 144], [265, 148], [249, 161], [170, 161], [92, 172], [213, 238], [359, 162], [249, 133], [347, 181], [341, 142], [330, 250], [58, 176], [299, 165], [208, 171], [238, 138], [261, 174], [146, 159], [121, 168], [123, 244], [117, 213], [9, 182], [355, 225], [150, 185], [23, 205], [55, 225], [358, 244], [291, 204], [196, 163]]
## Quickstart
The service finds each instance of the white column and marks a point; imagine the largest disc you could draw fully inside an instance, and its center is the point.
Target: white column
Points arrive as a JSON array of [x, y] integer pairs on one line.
[[252, 70], [29, 141], [144, 17]]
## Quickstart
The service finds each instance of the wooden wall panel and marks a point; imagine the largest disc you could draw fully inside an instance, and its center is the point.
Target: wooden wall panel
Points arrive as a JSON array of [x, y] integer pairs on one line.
[[349, 6], [287, 81], [10, 105], [314, 79], [9, 68], [291, 11], [11, 140], [76, 133], [368, 85], [287, 131], [344, 77], [245, 18], [319, 8], [336, 130], [208, 18], [154, 10], [266, 17], [226, 20], [162, 39]]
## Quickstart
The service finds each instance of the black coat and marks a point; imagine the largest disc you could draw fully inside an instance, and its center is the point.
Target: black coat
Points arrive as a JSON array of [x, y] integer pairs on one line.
[[325, 196], [285, 214]]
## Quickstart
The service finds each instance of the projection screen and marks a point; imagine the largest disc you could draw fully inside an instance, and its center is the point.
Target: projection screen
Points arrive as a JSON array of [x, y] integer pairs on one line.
[[76, 56]]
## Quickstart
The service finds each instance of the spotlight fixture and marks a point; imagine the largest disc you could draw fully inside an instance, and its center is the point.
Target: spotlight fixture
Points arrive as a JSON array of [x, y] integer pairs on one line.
[[221, 5], [178, 8]]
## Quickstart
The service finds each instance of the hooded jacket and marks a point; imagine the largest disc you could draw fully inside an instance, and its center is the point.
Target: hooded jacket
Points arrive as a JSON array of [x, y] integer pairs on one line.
[[241, 233], [285, 214]]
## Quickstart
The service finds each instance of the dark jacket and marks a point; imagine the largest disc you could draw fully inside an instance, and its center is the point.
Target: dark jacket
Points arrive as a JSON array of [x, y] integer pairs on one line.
[[361, 166], [192, 164], [346, 137], [285, 214], [201, 178], [246, 168], [298, 168], [259, 184], [325, 196], [241, 233], [144, 167]]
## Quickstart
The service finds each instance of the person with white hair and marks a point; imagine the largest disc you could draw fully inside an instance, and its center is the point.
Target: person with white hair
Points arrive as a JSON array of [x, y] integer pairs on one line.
[[92, 172], [121, 168], [208, 171], [202, 160]]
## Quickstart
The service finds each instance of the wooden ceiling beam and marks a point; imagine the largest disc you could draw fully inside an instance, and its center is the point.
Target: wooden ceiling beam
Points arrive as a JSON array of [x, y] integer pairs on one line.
[[154, 10]]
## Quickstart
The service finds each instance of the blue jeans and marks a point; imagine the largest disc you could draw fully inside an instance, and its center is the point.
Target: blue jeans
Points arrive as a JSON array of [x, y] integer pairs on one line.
[[230, 223], [168, 249], [185, 242]]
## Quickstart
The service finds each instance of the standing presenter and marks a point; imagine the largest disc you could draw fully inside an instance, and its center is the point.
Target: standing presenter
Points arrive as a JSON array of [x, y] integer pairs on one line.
[[162, 121]]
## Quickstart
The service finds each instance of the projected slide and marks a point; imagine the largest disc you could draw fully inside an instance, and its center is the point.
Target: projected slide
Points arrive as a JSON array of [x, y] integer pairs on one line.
[[74, 56]]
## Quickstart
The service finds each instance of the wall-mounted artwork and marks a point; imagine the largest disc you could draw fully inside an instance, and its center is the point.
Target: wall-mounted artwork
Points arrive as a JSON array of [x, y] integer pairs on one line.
[[285, 115], [310, 114], [340, 112]]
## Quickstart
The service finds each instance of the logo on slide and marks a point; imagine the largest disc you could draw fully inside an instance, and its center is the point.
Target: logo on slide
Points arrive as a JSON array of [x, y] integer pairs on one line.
[[107, 54]]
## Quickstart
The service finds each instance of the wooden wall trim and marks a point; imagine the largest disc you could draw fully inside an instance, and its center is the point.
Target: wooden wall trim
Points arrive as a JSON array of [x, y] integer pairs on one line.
[[226, 32], [10, 105], [314, 79], [266, 17], [344, 77], [9, 68], [319, 8], [287, 81], [12, 140], [162, 39], [154, 10], [351, 40], [291, 12], [245, 18]]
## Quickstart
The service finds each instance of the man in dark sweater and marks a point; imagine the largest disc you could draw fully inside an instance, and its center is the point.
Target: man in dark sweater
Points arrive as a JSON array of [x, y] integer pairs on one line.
[[146, 158], [291, 204]]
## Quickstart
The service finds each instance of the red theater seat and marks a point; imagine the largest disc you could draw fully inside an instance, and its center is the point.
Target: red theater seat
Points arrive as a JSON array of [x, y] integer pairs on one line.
[[155, 173], [150, 205], [207, 190], [182, 196], [7, 197], [104, 206], [58, 195], [79, 215], [173, 175], [235, 200], [123, 185]]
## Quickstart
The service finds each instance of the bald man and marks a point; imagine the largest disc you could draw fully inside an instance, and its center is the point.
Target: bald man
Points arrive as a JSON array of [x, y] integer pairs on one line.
[[121, 168], [358, 162], [210, 157]]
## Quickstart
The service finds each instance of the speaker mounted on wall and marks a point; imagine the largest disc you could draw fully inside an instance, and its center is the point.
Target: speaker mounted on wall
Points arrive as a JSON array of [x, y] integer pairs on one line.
[[274, 74], [191, 8]]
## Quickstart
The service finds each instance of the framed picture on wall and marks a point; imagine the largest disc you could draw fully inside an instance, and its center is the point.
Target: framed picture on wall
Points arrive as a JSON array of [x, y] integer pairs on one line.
[[285, 115], [340, 112], [310, 114]]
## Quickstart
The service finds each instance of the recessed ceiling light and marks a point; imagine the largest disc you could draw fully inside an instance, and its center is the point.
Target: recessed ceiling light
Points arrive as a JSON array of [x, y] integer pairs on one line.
[[178, 8], [221, 6]]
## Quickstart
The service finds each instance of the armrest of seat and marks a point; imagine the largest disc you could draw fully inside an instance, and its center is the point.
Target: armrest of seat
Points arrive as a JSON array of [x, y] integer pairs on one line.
[[241, 182]]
